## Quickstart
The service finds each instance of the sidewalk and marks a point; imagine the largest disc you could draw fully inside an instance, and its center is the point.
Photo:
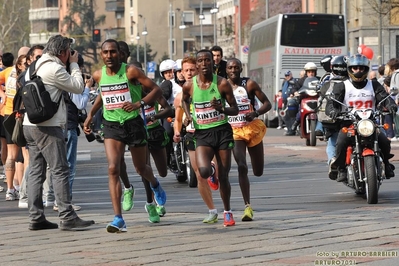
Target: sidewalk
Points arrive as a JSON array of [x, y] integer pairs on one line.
[[275, 237]]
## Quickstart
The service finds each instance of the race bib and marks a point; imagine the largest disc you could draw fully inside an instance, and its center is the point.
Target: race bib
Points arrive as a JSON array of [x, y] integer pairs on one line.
[[115, 95]]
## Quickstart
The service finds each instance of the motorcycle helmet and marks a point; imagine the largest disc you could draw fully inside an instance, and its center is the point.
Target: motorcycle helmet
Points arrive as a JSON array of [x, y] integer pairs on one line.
[[338, 65], [325, 62], [310, 66], [361, 61], [167, 64], [178, 66]]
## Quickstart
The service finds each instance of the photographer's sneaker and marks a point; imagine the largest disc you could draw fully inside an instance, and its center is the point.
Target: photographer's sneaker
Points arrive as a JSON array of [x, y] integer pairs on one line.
[[12, 195]]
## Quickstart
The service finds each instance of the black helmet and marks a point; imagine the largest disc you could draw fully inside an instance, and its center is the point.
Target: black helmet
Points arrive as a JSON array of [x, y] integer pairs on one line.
[[325, 62], [358, 60], [338, 65]]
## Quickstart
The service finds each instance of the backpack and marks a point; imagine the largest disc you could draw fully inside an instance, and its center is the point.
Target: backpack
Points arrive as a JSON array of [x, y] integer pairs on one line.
[[321, 115], [36, 98]]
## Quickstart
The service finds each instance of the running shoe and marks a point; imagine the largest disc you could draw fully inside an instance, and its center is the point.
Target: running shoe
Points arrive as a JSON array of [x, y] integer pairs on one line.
[[153, 216], [159, 194], [161, 211], [12, 195], [211, 219], [228, 219], [248, 214], [213, 181], [118, 225], [128, 195]]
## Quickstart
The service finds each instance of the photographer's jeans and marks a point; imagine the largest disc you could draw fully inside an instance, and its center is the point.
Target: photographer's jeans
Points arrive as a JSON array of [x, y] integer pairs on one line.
[[72, 149]]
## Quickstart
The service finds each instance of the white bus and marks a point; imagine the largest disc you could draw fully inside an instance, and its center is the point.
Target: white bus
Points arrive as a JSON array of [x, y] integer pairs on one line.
[[287, 42]]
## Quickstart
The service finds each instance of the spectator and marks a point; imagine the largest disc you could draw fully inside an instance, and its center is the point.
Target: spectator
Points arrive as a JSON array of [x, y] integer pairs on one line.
[[278, 108], [219, 65]]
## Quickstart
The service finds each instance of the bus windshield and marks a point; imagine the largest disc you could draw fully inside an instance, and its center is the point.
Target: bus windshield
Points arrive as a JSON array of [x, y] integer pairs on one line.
[[312, 31]]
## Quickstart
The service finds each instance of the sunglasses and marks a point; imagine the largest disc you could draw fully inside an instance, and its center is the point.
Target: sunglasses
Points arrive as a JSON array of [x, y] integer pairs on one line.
[[361, 68]]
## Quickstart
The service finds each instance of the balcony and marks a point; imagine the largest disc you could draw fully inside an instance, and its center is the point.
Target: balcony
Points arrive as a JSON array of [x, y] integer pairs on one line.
[[195, 30], [115, 33], [195, 4], [115, 6], [40, 38], [44, 13]]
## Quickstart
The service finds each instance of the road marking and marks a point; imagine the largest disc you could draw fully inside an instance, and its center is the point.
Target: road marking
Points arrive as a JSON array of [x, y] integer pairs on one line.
[[83, 155]]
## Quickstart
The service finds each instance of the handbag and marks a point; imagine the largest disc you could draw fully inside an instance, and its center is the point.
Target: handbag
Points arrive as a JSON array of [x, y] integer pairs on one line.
[[18, 133]]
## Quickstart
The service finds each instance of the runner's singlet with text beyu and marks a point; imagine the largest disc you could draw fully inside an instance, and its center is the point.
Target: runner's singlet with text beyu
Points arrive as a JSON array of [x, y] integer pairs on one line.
[[116, 90]]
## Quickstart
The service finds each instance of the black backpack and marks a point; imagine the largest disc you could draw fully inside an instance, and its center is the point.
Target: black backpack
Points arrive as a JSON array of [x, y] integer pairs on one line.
[[36, 98]]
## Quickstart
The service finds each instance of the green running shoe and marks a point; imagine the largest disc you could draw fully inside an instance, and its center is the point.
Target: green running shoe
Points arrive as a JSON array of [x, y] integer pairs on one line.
[[211, 219], [128, 195], [161, 211], [153, 216]]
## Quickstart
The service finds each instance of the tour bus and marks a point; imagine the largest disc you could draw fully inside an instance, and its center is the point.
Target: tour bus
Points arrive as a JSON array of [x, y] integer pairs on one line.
[[287, 42]]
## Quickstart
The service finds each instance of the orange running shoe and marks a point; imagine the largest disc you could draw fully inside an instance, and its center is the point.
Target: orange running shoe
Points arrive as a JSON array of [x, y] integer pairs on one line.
[[228, 219], [213, 181]]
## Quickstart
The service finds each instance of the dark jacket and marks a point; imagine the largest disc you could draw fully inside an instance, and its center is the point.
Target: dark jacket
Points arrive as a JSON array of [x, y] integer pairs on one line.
[[220, 69]]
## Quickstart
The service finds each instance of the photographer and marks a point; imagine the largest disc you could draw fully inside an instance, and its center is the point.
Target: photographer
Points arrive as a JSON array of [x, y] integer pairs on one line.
[[76, 104]]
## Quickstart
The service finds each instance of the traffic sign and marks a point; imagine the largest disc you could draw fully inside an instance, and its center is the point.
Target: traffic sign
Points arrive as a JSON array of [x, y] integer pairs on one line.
[[151, 66], [245, 49]]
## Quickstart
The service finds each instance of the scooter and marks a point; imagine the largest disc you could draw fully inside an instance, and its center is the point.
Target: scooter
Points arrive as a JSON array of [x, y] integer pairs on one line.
[[309, 94]]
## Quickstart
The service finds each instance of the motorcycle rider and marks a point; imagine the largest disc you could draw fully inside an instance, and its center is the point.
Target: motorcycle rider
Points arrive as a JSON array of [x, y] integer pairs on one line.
[[169, 89], [325, 62], [362, 91], [179, 78], [310, 71], [331, 127]]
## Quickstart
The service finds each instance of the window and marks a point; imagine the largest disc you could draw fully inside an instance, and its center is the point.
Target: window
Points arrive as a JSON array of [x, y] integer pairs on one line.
[[173, 46], [189, 46], [397, 46], [52, 25], [208, 18], [51, 3], [188, 17], [172, 19], [131, 3]]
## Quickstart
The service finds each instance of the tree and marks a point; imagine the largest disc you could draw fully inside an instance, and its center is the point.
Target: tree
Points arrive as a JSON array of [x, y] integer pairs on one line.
[[14, 25], [133, 53], [80, 22]]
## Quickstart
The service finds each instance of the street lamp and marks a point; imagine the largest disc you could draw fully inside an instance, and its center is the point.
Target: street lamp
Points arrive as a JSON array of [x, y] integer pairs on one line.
[[201, 18], [144, 33], [182, 27], [137, 50], [214, 11]]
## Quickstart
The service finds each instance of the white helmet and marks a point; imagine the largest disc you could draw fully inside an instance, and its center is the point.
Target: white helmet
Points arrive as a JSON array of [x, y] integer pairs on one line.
[[310, 66], [178, 65], [167, 64]]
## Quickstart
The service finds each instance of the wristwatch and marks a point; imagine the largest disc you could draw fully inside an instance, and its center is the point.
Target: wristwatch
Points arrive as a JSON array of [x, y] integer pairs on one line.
[[256, 113], [142, 103]]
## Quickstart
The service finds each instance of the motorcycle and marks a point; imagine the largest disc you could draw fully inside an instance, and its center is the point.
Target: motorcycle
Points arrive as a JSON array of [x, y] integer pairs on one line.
[[180, 161], [364, 164], [309, 94]]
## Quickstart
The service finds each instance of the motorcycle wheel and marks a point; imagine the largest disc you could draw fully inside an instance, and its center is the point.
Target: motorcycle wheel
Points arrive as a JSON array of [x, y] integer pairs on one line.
[[312, 133], [372, 182], [181, 176], [191, 177]]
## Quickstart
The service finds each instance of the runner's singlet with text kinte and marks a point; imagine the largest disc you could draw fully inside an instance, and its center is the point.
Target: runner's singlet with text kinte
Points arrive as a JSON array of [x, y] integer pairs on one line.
[[204, 115], [116, 90]]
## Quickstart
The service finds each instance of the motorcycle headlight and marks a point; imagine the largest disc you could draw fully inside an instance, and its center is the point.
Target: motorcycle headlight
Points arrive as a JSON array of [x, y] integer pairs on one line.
[[365, 128]]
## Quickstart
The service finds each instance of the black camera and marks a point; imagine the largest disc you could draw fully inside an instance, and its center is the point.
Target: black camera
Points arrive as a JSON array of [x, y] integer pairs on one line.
[[82, 115]]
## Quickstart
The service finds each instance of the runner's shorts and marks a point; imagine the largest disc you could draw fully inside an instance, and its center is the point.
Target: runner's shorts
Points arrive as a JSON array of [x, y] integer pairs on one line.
[[252, 133], [190, 142], [219, 138], [132, 132], [157, 138]]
